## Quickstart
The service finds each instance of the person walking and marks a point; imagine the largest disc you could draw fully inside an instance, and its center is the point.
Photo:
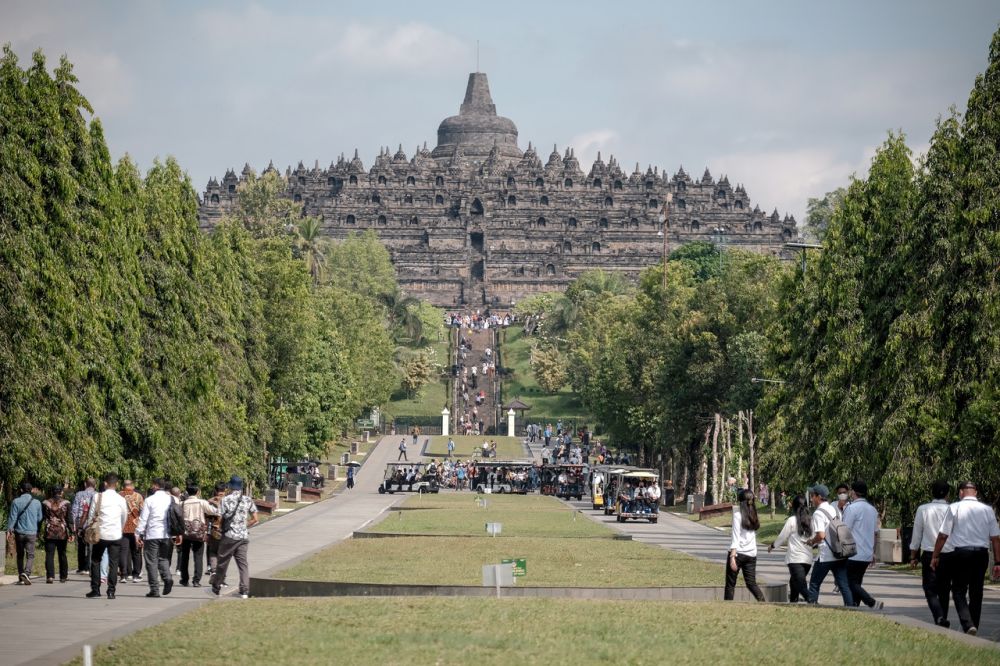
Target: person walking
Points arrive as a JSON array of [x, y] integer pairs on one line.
[[796, 532], [152, 534], [196, 512], [130, 564], [239, 514], [926, 526], [862, 518], [23, 521], [402, 451], [743, 547], [451, 447], [56, 511], [80, 514], [826, 562], [971, 528], [350, 477], [109, 513], [215, 529]]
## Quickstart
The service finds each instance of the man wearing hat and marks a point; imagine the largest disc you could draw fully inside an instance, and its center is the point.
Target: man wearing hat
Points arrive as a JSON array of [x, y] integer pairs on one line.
[[823, 513], [970, 527], [239, 514]]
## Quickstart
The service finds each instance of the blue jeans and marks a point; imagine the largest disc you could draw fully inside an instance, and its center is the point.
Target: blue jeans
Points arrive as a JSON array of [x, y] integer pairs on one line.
[[839, 570]]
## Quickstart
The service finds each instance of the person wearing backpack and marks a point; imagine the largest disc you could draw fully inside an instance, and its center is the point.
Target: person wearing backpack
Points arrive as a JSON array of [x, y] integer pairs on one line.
[[239, 514], [743, 547], [196, 512], [153, 535], [862, 518], [825, 524]]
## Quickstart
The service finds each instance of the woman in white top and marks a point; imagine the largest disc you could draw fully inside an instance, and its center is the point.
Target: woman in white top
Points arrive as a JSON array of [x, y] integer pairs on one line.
[[743, 547], [799, 557]]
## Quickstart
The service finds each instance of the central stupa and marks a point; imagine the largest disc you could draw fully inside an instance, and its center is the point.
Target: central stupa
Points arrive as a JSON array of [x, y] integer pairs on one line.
[[477, 127]]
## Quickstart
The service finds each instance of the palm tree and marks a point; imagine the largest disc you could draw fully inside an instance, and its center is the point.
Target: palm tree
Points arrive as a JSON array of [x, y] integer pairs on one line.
[[403, 315], [311, 247]]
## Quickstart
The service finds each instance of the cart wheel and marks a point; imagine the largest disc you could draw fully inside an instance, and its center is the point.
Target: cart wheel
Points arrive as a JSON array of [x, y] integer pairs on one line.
[[381, 490], [652, 521]]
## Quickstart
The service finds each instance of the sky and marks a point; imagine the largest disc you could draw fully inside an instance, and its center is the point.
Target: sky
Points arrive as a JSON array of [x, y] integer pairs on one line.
[[788, 98]]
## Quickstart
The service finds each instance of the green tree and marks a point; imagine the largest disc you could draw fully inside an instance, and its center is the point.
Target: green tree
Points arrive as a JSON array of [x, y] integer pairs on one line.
[[820, 211], [417, 372], [312, 248], [549, 367]]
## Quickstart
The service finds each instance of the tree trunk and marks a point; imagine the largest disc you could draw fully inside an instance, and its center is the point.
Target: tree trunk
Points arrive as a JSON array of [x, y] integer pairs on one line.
[[715, 458], [727, 451], [751, 441]]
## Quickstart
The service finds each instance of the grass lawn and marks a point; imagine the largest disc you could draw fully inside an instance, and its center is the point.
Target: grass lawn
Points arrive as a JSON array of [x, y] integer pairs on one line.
[[434, 396], [456, 514], [468, 446], [516, 353], [540, 529], [500, 632]]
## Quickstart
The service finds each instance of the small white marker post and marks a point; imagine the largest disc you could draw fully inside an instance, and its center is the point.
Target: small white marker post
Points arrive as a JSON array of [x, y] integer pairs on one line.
[[88, 656]]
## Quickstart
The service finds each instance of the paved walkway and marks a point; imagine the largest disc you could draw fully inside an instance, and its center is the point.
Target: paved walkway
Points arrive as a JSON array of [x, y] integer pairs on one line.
[[70, 620], [902, 593]]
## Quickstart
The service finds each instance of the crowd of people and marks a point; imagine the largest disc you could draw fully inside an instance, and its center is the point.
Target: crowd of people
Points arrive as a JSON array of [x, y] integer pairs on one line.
[[478, 320], [119, 532], [950, 542]]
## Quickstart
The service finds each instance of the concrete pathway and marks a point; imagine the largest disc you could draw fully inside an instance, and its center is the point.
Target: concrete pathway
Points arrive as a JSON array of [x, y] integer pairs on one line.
[[902, 593], [70, 620]]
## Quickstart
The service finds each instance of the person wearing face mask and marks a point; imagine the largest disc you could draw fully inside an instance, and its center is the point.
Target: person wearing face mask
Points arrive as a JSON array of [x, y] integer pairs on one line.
[[843, 498]]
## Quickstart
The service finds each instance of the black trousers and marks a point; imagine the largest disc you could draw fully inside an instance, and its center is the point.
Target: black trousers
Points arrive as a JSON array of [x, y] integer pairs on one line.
[[52, 546], [968, 572], [82, 552], [192, 550], [748, 565], [855, 576], [936, 584], [130, 561], [798, 582], [96, 553]]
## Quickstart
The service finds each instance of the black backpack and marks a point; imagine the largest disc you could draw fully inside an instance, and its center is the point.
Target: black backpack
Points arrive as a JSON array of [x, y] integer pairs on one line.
[[175, 519]]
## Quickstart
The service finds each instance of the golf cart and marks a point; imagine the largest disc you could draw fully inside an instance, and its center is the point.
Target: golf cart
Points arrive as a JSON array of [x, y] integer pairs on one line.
[[405, 477], [599, 477], [612, 485], [631, 507], [563, 480], [502, 477]]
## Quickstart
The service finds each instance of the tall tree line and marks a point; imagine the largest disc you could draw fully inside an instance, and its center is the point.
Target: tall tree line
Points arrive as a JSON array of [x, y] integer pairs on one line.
[[890, 340], [132, 341]]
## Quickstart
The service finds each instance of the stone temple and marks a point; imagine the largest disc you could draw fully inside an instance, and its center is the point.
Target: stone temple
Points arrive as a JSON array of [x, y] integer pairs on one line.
[[477, 221]]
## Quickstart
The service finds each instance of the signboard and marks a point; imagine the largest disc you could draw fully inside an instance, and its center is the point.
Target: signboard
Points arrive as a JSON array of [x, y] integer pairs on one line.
[[498, 575], [366, 424], [494, 529], [520, 565]]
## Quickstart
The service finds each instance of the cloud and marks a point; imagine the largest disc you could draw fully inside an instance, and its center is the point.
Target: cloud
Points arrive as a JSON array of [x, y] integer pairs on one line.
[[105, 81], [587, 145], [409, 46]]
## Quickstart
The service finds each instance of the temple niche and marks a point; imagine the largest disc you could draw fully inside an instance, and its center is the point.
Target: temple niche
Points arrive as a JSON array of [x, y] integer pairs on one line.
[[477, 221]]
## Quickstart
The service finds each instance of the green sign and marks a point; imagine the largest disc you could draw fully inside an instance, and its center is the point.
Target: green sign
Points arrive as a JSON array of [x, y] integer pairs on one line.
[[520, 565], [366, 424]]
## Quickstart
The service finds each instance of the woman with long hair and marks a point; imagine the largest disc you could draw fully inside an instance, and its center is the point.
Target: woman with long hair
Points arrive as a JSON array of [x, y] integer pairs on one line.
[[799, 556], [56, 512], [743, 547]]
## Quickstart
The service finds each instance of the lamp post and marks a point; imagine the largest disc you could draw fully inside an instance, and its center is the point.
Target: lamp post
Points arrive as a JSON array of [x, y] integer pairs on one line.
[[803, 247], [664, 219]]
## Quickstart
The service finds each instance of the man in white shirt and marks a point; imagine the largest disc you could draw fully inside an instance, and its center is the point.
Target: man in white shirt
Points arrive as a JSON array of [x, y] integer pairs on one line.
[[862, 518], [971, 528], [826, 562], [926, 526], [153, 536], [109, 510]]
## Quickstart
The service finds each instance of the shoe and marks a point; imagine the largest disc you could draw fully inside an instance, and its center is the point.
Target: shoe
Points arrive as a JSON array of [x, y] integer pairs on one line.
[[111, 595], [63, 580], [214, 591], [49, 581], [128, 579], [183, 584], [137, 579], [167, 586], [879, 605], [93, 594], [972, 631], [195, 584], [25, 579], [244, 596], [153, 595], [178, 572], [83, 571], [941, 622], [225, 585]]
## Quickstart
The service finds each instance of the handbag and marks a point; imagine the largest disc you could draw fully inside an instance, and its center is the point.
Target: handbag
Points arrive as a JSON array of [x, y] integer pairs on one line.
[[92, 533]]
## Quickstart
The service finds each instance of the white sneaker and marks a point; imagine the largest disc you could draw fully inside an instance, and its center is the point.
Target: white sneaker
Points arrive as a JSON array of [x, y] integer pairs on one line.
[[137, 579], [244, 596]]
